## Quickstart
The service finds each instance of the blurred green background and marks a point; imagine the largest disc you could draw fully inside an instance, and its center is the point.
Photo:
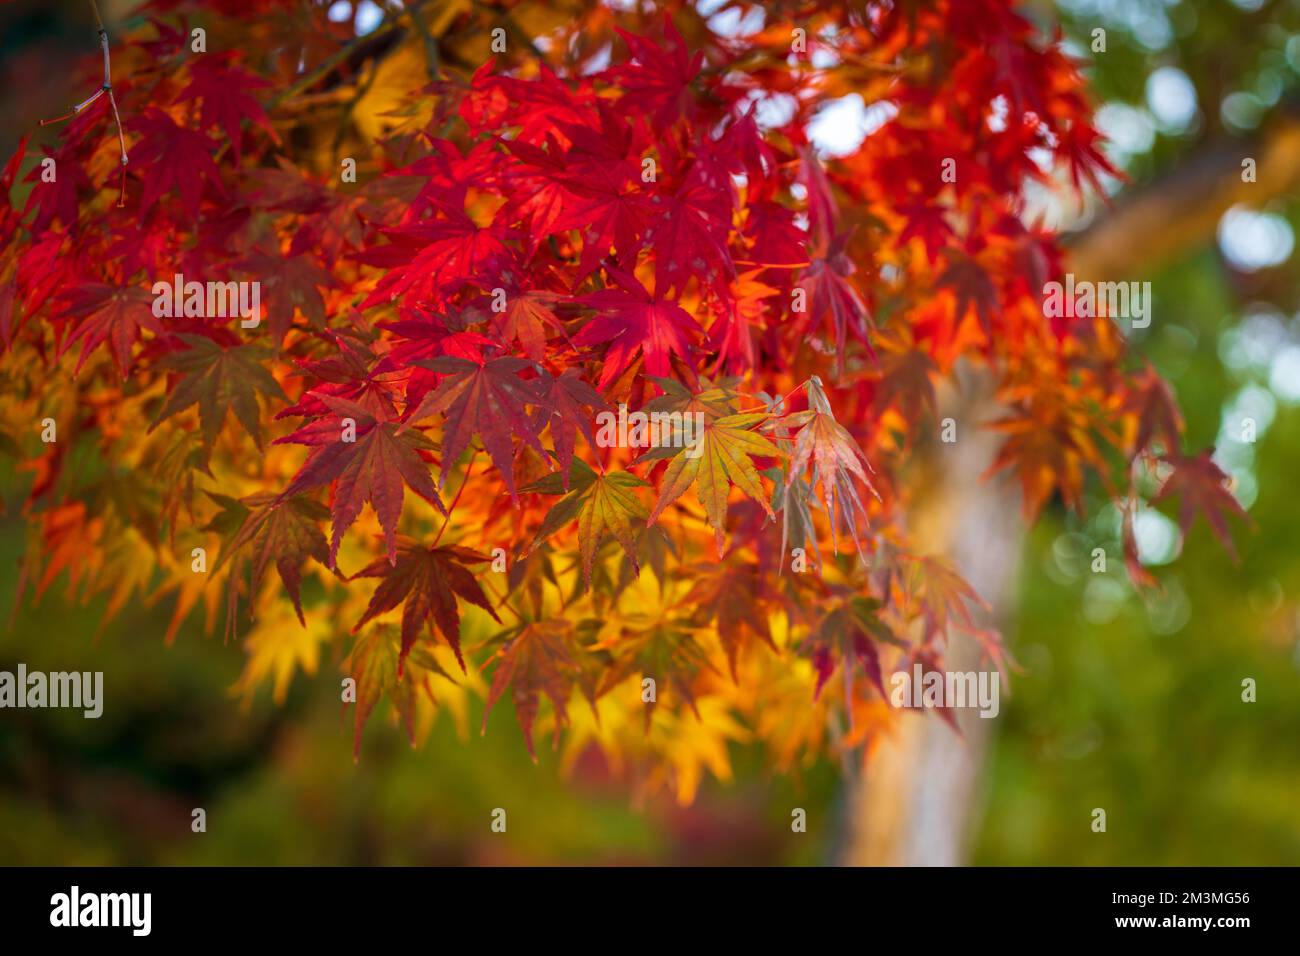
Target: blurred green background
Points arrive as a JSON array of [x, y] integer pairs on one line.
[[1127, 702]]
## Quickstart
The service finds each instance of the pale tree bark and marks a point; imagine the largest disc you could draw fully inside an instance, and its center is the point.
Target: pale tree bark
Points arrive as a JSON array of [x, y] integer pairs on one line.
[[913, 804]]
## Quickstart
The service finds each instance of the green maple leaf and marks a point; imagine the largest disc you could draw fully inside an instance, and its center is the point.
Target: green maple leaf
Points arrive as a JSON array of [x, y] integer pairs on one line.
[[713, 401], [721, 458], [601, 504]]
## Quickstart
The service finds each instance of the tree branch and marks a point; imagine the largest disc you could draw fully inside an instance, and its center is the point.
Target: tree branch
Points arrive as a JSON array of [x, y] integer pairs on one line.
[[105, 87], [1179, 213]]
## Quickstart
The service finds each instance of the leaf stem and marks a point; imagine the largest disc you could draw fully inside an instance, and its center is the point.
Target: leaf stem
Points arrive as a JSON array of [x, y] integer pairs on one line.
[[452, 507], [780, 403]]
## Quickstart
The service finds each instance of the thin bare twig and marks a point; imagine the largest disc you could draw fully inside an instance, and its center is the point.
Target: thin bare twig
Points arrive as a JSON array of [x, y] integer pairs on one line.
[[107, 87]]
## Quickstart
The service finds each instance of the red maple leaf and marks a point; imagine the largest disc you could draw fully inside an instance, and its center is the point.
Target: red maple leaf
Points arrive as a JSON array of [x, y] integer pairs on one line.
[[486, 399], [971, 285], [563, 400], [609, 201], [631, 319], [428, 580], [1203, 487], [223, 90], [173, 157], [112, 314], [58, 199], [834, 298], [431, 261], [658, 81], [689, 232], [372, 468]]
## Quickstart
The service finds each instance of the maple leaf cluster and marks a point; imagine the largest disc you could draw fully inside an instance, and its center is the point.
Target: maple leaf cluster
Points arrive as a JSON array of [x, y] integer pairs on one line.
[[628, 214]]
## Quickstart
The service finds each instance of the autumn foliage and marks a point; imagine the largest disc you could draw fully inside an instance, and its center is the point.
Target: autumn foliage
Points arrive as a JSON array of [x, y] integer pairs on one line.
[[398, 470]]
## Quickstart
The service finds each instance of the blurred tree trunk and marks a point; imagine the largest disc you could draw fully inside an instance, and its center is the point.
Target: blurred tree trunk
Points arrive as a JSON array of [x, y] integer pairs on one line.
[[912, 804]]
